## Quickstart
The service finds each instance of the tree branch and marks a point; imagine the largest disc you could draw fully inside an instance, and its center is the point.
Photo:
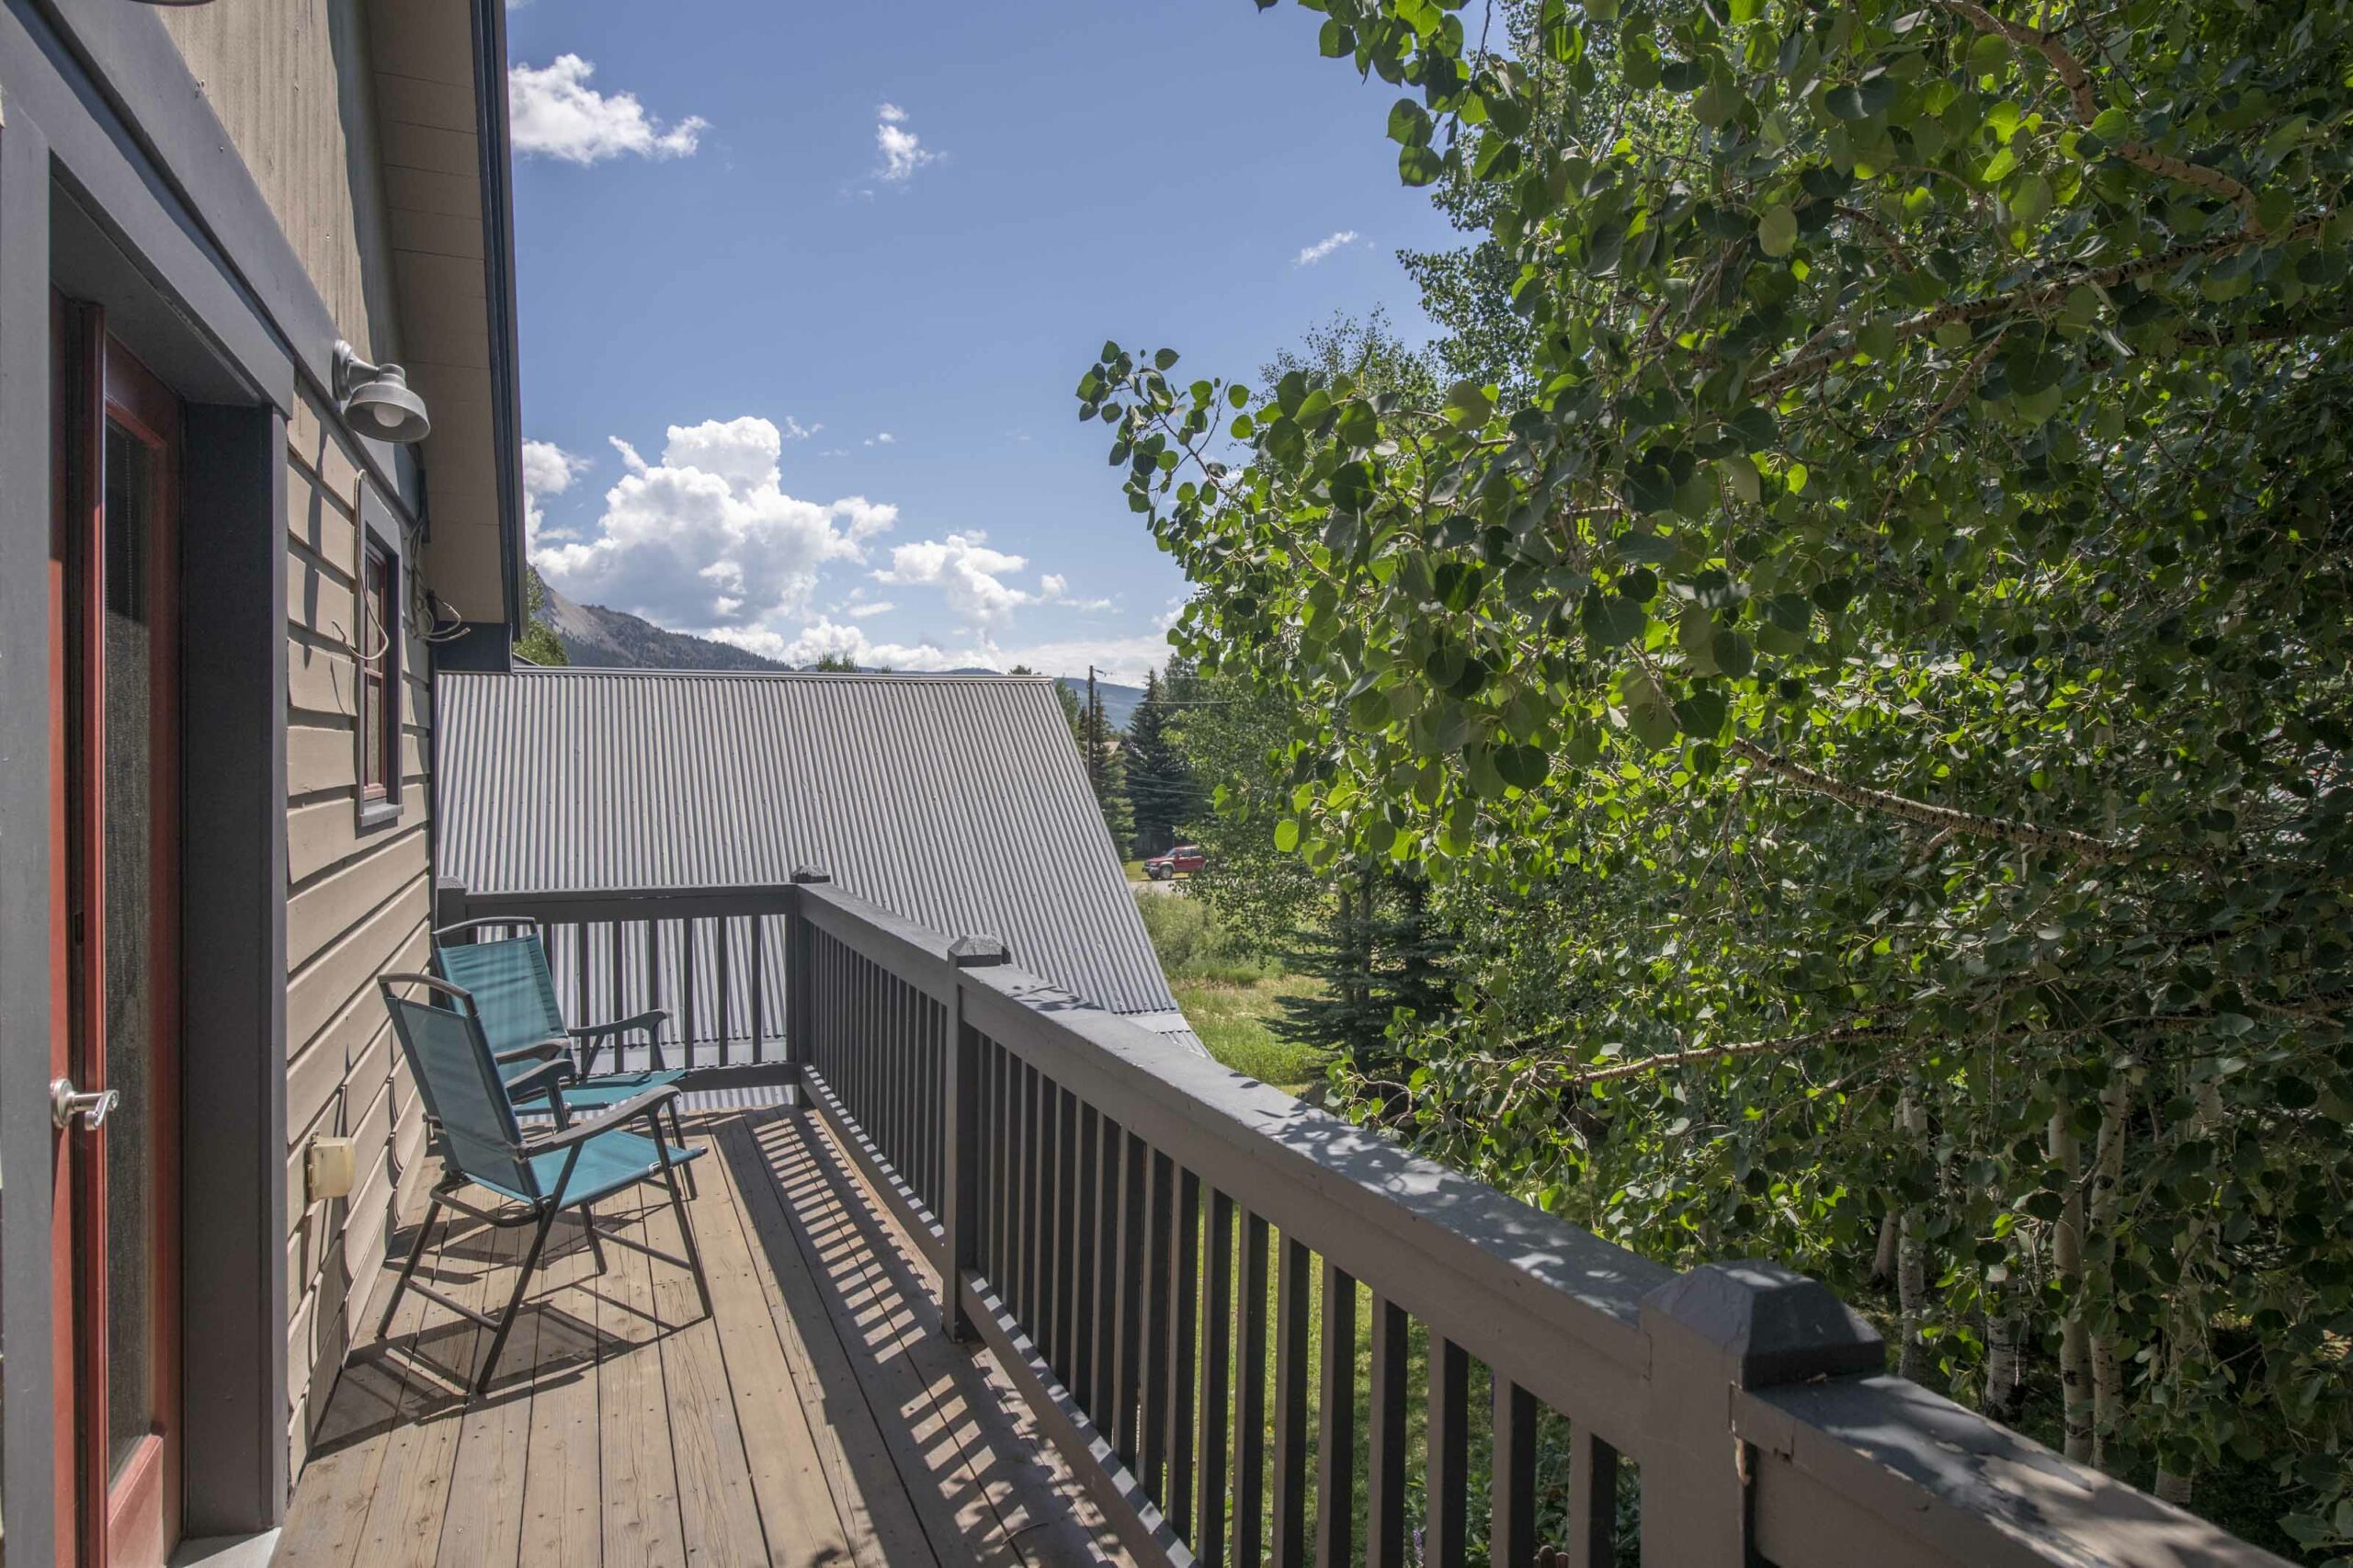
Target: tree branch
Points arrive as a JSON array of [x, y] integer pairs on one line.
[[2099, 851], [1820, 354], [1744, 1048], [2086, 108]]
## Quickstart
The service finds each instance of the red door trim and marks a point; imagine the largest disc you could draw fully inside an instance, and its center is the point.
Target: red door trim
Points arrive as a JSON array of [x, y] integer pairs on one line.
[[134, 1519]]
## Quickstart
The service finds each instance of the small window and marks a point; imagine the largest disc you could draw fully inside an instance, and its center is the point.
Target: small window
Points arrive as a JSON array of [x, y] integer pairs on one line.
[[380, 684]]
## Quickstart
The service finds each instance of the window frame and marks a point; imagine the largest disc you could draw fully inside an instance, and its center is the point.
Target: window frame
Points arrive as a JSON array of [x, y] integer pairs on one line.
[[376, 684]]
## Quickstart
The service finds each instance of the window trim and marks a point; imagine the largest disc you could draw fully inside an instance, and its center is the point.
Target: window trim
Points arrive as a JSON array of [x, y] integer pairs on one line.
[[378, 543]]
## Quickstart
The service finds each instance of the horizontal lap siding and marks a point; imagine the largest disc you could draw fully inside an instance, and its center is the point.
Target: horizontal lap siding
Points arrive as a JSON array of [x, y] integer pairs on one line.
[[358, 903]]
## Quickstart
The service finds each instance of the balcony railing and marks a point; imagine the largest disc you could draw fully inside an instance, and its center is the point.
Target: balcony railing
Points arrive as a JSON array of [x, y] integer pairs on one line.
[[1174, 1264]]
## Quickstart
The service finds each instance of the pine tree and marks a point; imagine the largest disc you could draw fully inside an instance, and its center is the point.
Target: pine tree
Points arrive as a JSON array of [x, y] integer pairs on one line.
[[1106, 769], [1161, 786], [1381, 952], [539, 645]]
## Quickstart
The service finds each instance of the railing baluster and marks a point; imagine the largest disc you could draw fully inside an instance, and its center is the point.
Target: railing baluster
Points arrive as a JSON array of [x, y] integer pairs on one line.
[[1215, 1389], [722, 939], [1158, 1300], [1511, 1529], [654, 989], [1184, 1327], [687, 989], [1292, 1263], [1592, 1500], [1103, 1398], [1335, 1444], [1068, 1266], [1033, 1139], [759, 969], [1083, 1315], [1385, 1461], [1445, 1492], [1000, 1137], [1043, 1324], [1250, 1398], [1131, 1290]]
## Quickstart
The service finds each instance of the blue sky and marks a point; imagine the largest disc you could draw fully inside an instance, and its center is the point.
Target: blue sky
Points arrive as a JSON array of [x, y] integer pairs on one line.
[[738, 263]]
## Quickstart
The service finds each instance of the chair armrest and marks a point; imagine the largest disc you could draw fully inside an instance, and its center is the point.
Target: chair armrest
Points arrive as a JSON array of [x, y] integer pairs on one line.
[[548, 1078], [528, 922], [647, 1020], [629, 1110], [546, 1049]]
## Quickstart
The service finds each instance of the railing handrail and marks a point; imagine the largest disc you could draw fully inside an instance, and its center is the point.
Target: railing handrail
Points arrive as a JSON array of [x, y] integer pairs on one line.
[[1755, 1404]]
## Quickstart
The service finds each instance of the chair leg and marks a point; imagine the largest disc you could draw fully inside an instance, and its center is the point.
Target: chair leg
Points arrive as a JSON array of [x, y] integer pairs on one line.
[[687, 1228], [515, 1302], [596, 1243], [678, 1128], [416, 1252]]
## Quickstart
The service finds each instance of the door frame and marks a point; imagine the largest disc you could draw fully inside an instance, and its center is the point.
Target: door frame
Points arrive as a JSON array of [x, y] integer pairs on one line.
[[98, 382]]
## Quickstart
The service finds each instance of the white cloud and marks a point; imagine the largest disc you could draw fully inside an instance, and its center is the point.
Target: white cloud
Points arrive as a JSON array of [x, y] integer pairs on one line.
[[796, 431], [547, 470], [553, 111], [902, 150], [968, 574], [882, 439], [1120, 659], [1054, 589], [707, 539], [1325, 246], [879, 607]]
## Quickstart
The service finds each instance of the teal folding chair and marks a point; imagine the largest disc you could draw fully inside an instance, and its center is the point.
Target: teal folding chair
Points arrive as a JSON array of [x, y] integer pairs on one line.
[[541, 1176], [514, 992]]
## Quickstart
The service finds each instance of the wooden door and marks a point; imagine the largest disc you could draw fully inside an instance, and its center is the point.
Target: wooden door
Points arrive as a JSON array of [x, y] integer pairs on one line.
[[115, 943]]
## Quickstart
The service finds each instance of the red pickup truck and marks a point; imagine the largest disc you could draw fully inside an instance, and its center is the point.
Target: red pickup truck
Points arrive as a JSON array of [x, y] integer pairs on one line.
[[1186, 858]]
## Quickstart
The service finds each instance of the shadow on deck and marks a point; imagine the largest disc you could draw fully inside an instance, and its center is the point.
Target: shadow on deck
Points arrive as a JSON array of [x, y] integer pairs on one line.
[[818, 1417]]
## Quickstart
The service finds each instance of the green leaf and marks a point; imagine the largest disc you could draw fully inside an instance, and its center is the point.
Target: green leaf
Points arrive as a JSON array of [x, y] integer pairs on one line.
[[1777, 232], [1165, 359], [1648, 714], [1287, 834], [1351, 487], [1419, 165], [1471, 400], [1409, 123], [1610, 621], [1335, 40], [1649, 485], [1701, 715]]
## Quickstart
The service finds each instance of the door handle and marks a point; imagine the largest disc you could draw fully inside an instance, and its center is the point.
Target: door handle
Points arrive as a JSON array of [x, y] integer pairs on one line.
[[68, 1104]]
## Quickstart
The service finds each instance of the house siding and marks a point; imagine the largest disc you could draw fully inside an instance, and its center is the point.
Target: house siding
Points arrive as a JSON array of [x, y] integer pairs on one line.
[[357, 904], [293, 86], [289, 82]]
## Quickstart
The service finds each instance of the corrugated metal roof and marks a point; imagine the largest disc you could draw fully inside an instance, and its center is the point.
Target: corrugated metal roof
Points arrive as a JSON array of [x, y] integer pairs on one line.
[[956, 802]]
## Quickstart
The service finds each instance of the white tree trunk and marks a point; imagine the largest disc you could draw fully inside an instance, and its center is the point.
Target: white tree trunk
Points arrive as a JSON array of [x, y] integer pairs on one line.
[[2004, 1396], [2107, 1174], [1912, 1262], [1883, 1260], [2067, 1263]]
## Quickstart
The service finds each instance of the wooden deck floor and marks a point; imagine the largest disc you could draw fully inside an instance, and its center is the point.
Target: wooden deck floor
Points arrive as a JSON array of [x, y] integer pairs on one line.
[[818, 1417]]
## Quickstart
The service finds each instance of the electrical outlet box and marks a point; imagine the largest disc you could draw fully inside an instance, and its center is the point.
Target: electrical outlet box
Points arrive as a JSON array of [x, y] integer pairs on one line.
[[329, 1168]]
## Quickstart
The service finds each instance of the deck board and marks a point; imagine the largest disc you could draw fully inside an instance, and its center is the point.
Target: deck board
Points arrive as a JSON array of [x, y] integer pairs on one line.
[[819, 1417]]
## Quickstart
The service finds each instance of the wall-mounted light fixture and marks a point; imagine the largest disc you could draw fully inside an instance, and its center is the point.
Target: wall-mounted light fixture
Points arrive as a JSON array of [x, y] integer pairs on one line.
[[376, 399]]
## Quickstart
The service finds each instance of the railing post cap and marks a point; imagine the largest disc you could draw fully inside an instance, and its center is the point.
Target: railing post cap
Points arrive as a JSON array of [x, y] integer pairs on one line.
[[978, 952], [1771, 1325], [810, 874]]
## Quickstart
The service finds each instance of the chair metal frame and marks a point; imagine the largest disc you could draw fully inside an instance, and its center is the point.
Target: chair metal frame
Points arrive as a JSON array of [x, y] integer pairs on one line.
[[578, 1046], [543, 1209]]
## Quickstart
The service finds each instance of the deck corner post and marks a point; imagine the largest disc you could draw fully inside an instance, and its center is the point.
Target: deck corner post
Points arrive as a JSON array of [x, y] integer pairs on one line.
[[800, 1016], [1711, 1332], [449, 908], [962, 1199]]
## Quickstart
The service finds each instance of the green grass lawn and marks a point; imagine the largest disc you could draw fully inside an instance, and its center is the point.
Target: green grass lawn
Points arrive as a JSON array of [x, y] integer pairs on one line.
[[1233, 1017]]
